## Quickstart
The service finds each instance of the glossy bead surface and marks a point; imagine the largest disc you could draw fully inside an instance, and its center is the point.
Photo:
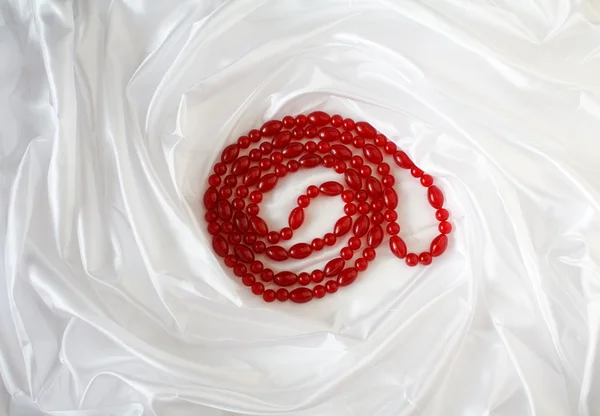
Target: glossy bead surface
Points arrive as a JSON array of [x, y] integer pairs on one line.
[[304, 279], [402, 160], [282, 295], [310, 161], [331, 286], [241, 165], [392, 228], [267, 182], [277, 253], [282, 140], [361, 226], [445, 227], [300, 251], [269, 295], [230, 153], [435, 196], [442, 214], [439, 245], [425, 258], [353, 179], [329, 134], [271, 127], [331, 188], [398, 247], [286, 233], [365, 129], [220, 245], [347, 276], [259, 226], [426, 180], [372, 154], [243, 253], [285, 279], [342, 226], [303, 201], [301, 295], [341, 152], [318, 118], [412, 259], [319, 291], [334, 267], [375, 236], [296, 218]]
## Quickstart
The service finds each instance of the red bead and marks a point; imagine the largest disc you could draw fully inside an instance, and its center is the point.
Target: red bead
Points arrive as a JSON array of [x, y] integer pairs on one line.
[[249, 238], [241, 165], [243, 142], [350, 209], [402, 160], [267, 182], [439, 245], [312, 191], [254, 135], [248, 279], [310, 160], [426, 180], [318, 118], [258, 288], [259, 247], [329, 239], [280, 171], [230, 153], [304, 279], [358, 142], [214, 180], [342, 226], [388, 181], [293, 166], [303, 201], [225, 192], [285, 279], [361, 226], [317, 276], [392, 228], [226, 227], [213, 228], [377, 218], [301, 120], [239, 270], [353, 179], [377, 205], [445, 227], [224, 209], [300, 251], [331, 188], [357, 161], [369, 254], [331, 286], [435, 196], [230, 181], [390, 148], [347, 196], [220, 168], [319, 291], [442, 214], [329, 134], [276, 157], [265, 164], [210, 197], [311, 131], [354, 243], [347, 276], [412, 259], [383, 168], [346, 253], [256, 197], [375, 236], [361, 264], [298, 133], [269, 295], [230, 260], [364, 208], [365, 129], [273, 237], [346, 137], [259, 226], [341, 152], [339, 167], [301, 295], [210, 216], [317, 244], [324, 147], [337, 120], [235, 238], [296, 218], [328, 161], [334, 267], [282, 140], [242, 191], [267, 275], [277, 253], [266, 148], [380, 140], [282, 295], [372, 154], [270, 128], [398, 247], [256, 266], [349, 124], [243, 253], [374, 187], [366, 171], [288, 122], [362, 196], [416, 172], [425, 258], [390, 215], [390, 198]]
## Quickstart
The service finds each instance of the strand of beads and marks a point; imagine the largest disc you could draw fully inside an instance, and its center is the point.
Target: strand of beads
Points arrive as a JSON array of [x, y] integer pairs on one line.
[[253, 166]]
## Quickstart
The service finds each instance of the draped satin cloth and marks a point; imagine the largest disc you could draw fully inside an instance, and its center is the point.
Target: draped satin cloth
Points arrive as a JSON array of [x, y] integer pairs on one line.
[[112, 301]]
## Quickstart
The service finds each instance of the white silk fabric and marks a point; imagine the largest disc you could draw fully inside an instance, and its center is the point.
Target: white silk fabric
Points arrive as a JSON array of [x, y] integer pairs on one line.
[[112, 114]]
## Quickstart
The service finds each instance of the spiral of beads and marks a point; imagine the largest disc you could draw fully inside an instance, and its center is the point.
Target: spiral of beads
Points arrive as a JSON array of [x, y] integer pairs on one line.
[[253, 166]]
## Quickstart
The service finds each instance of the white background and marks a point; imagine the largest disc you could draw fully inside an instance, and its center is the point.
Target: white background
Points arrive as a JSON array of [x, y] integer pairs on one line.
[[112, 114]]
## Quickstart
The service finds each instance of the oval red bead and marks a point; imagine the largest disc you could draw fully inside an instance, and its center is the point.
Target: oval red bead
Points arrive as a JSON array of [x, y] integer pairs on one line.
[[285, 278], [342, 226], [243, 253], [334, 267], [353, 179], [402, 160], [277, 253], [372, 154], [341, 152], [301, 295], [282, 140], [435, 196], [398, 247], [310, 160], [319, 118], [329, 134], [259, 226], [361, 226], [347, 276], [296, 218], [375, 236], [390, 198], [210, 197], [224, 209], [439, 245], [271, 127], [230, 153], [365, 129], [331, 188], [241, 165], [267, 182], [293, 149], [241, 221], [252, 176], [374, 187], [300, 251], [219, 245]]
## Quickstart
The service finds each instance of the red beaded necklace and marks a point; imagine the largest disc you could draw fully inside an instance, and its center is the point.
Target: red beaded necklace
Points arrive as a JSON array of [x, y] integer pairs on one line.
[[233, 220]]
